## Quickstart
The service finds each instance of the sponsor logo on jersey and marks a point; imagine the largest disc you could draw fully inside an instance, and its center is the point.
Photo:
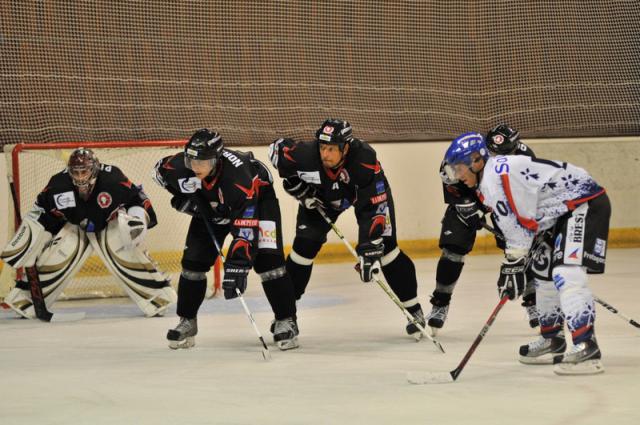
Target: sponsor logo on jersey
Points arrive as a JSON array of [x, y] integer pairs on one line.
[[249, 211], [268, 235], [246, 233], [600, 247], [64, 200], [379, 187], [104, 200], [189, 185], [574, 254], [382, 208], [379, 198], [312, 177], [594, 258], [234, 160], [245, 222]]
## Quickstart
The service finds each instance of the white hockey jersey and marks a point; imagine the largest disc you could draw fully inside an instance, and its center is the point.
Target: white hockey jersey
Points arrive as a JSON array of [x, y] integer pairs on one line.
[[527, 196]]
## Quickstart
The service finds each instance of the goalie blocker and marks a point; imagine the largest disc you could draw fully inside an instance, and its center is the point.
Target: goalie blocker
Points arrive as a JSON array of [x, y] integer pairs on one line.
[[88, 206]]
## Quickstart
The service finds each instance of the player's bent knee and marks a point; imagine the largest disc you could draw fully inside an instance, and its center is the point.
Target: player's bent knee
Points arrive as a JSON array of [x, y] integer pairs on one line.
[[193, 275]]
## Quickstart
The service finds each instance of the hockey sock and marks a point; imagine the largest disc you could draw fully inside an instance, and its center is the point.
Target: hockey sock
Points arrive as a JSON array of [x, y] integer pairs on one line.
[[447, 274], [300, 263], [576, 300], [549, 310], [280, 294], [401, 276], [190, 296]]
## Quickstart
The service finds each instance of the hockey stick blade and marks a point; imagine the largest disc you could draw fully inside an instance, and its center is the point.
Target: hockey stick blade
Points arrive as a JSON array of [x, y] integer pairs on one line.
[[421, 378]]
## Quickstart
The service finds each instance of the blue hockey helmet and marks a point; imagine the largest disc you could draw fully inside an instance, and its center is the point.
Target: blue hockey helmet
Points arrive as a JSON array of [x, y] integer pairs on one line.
[[461, 151]]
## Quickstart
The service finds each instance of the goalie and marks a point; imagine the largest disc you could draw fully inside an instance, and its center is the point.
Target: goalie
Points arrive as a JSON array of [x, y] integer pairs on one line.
[[87, 207]]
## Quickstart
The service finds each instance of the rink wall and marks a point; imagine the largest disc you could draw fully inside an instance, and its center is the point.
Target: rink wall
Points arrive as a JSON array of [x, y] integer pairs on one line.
[[412, 170]]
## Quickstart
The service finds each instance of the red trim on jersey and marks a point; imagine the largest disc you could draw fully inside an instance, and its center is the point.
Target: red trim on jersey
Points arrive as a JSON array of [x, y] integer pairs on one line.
[[333, 175], [575, 203], [241, 244], [527, 223], [127, 184], [378, 220], [256, 184], [285, 152], [376, 168], [167, 164]]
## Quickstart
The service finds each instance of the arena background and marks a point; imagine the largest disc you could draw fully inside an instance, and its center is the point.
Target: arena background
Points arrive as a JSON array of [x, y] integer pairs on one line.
[[416, 71]]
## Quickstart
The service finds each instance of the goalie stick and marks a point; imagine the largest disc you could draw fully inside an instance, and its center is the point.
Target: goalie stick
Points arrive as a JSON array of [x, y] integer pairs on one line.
[[266, 354], [597, 299], [420, 378], [37, 297], [380, 283]]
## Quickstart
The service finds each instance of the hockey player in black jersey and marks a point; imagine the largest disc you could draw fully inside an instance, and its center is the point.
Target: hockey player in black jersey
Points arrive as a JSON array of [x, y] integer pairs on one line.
[[462, 219], [335, 172], [235, 193], [88, 207]]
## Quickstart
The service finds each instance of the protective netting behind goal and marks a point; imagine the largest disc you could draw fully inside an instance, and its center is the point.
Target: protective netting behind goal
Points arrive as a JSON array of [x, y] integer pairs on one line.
[[254, 70]]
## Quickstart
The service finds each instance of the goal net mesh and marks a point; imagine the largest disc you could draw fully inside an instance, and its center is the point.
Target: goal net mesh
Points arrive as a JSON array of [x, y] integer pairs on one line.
[[255, 70]]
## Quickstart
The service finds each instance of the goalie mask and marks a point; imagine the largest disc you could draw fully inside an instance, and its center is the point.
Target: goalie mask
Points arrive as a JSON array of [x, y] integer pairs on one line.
[[83, 167], [203, 151]]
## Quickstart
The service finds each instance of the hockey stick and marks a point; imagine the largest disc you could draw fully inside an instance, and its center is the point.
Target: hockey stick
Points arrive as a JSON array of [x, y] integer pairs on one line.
[[420, 378], [616, 312], [380, 283], [266, 354], [609, 307], [37, 297]]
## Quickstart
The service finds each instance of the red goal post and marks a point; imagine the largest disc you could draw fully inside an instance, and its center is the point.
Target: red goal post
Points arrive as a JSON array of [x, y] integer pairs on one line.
[[31, 165]]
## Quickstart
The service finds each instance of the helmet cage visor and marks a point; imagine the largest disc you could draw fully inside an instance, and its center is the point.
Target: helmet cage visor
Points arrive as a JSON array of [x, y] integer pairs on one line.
[[196, 164]]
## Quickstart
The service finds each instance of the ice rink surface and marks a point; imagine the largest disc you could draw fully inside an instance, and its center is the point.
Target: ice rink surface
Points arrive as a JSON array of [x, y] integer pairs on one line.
[[114, 367]]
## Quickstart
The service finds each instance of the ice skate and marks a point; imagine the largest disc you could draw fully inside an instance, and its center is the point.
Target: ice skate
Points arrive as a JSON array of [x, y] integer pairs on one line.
[[437, 317], [582, 359], [183, 336], [412, 329], [285, 333], [542, 350]]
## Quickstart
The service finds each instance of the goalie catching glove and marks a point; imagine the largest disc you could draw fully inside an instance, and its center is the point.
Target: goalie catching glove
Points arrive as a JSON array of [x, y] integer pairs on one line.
[[306, 194], [235, 277], [470, 213], [512, 277], [369, 254]]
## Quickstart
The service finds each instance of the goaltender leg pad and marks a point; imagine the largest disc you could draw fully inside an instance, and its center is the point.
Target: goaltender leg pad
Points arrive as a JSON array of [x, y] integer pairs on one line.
[[140, 277], [63, 256], [26, 244]]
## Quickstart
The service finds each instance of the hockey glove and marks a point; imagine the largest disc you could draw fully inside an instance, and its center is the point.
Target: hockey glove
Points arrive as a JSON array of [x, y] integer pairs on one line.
[[512, 278], [470, 213], [185, 205], [369, 254], [306, 194], [235, 276]]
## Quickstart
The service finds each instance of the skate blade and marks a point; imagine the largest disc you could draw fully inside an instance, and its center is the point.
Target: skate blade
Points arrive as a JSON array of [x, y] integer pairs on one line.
[[288, 344], [540, 360], [188, 342], [417, 336], [588, 367], [434, 331], [422, 378]]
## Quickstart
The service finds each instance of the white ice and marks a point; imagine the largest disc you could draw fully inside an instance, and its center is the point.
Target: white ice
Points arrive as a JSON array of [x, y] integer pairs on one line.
[[114, 367]]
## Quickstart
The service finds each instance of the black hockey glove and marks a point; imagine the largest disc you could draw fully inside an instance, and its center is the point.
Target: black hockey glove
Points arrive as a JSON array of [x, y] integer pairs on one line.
[[235, 277], [306, 194], [512, 278], [369, 254], [470, 213], [185, 205]]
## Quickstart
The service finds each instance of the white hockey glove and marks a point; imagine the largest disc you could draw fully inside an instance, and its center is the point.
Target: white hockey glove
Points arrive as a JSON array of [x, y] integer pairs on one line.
[[512, 277], [133, 226], [470, 213], [369, 254]]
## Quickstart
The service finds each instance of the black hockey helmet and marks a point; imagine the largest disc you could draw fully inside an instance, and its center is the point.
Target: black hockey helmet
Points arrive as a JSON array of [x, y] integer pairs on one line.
[[83, 167], [204, 145], [502, 140], [335, 131]]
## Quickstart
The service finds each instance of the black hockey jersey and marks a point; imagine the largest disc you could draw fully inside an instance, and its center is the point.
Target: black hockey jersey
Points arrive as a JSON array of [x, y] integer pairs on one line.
[[233, 192], [59, 202], [359, 182], [458, 192]]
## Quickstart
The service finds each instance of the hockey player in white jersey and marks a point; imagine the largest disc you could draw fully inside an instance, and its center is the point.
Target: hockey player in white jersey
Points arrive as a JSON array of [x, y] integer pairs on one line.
[[553, 204]]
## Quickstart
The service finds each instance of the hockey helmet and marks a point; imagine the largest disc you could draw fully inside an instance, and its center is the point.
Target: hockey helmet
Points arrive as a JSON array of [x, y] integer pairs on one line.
[[83, 167], [202, 146], [335, 131], [502, 140], [461, 151]]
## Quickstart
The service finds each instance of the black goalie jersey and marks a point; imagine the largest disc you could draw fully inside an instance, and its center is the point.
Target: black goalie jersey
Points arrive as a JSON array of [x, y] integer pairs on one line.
[[59, 202], [360, 182]]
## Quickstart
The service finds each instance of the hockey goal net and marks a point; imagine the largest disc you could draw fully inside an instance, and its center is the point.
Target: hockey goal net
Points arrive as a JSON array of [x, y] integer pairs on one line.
[[30, 166]]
